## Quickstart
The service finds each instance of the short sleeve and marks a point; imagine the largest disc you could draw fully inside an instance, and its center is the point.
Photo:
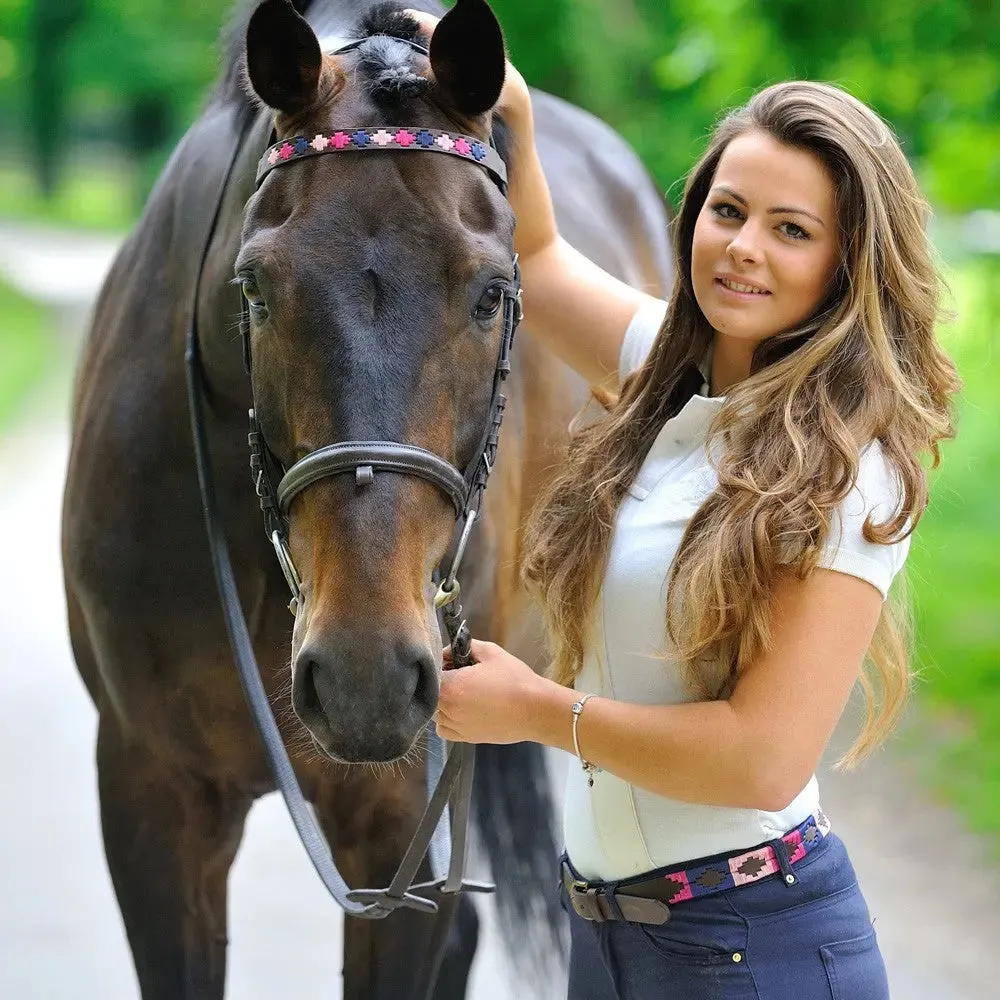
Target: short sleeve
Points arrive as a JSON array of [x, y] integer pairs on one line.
[[878, 491], [639, 337]]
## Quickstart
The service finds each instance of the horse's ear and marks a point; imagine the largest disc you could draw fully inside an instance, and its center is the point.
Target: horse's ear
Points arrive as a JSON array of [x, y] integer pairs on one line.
[[284, 58], [467, 56]]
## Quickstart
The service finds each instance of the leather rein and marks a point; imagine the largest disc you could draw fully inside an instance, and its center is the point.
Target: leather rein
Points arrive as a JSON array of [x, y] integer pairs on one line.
[[449, 779]]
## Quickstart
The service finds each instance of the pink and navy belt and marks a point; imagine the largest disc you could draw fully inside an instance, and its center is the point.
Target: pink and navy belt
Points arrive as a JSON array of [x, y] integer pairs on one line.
[[647, 898]]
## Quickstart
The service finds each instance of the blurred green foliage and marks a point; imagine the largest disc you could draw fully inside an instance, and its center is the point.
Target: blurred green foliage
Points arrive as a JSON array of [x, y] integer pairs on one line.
[[27, 349], [85, 198], [660, 70], [954, 562], [123, 73]]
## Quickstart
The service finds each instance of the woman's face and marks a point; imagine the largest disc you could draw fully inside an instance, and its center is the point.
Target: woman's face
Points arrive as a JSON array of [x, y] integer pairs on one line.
[[765, 242]]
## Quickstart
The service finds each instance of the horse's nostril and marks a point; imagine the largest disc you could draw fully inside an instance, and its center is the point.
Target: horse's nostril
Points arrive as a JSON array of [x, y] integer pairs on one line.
[[310, 696], [425, 693], [307, 699]]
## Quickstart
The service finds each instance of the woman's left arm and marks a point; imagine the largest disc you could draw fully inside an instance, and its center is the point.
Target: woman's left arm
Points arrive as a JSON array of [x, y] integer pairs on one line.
[[755, 749]]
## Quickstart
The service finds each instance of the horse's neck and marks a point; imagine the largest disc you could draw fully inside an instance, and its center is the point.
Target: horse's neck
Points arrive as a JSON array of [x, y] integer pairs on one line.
[[219, 301]]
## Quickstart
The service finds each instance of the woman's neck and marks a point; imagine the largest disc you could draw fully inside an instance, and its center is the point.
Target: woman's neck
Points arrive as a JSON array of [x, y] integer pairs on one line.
[[731, 360]]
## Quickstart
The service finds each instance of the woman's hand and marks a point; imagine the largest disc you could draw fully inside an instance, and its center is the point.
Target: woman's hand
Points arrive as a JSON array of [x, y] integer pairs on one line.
[[545, 276], [514, 102], [495, 700]]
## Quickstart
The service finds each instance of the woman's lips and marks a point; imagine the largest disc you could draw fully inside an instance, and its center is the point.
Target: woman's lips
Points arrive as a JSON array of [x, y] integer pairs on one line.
[[741, 296]]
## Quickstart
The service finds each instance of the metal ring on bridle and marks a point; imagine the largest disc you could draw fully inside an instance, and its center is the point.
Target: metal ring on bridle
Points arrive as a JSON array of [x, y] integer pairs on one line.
[[460, 551], [287, 566]]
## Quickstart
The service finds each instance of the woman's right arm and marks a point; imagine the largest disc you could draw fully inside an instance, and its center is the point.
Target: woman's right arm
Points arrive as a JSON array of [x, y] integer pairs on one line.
[[576, 308]]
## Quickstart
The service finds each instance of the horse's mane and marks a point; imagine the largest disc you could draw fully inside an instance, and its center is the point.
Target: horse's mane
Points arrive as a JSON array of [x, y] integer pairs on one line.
[[386, 63]]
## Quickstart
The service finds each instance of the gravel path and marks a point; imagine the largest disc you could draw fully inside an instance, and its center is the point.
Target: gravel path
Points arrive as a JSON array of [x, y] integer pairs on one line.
[[934, 896]]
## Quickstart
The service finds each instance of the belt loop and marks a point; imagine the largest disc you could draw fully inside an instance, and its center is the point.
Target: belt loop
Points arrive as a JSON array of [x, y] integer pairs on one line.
[[608, 892], [781, 853]]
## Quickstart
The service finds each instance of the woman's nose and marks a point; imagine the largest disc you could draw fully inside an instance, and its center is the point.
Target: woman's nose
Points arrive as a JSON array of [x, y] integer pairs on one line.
[[744, 246]]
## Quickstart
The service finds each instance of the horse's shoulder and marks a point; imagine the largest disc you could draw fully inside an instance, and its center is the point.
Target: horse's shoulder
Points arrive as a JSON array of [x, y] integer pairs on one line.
[[606, 202]]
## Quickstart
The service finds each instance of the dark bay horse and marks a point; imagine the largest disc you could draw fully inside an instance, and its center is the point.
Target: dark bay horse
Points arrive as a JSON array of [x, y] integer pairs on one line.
[[371, 288]]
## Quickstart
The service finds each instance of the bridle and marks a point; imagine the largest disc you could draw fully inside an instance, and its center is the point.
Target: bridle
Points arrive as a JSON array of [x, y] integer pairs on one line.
[[364, 458], [448, 781]]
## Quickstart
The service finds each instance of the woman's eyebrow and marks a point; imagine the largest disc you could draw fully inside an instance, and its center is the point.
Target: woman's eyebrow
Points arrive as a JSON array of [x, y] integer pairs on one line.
[[777, 210]]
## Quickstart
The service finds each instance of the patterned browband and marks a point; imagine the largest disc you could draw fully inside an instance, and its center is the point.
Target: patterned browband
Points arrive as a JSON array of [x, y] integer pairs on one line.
[[394, 138]]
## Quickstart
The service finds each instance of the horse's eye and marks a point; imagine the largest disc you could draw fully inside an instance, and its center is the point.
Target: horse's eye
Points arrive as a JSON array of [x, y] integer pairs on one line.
[[252, 293], [489, 304]]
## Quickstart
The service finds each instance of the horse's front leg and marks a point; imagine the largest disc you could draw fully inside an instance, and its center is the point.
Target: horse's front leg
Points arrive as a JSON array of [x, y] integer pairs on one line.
[[368, 820], [170, 838]]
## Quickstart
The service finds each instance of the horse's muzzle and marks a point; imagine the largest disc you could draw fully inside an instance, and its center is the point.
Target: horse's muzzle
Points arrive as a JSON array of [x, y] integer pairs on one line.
[[365, 701]]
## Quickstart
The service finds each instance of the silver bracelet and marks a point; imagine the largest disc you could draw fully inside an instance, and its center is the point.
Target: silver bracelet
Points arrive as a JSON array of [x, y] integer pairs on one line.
[[589, 769]]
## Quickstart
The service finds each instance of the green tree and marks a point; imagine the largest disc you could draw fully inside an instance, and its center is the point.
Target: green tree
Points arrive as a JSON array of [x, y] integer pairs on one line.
[[51, 28], [660, 71], [663, 72]]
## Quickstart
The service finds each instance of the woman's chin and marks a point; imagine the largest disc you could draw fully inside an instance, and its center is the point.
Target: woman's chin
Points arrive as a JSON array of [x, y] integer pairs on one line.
[[739, 327]]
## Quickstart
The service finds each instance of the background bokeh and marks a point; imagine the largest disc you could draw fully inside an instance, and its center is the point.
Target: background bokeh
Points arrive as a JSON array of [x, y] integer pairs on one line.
[[94, 93]]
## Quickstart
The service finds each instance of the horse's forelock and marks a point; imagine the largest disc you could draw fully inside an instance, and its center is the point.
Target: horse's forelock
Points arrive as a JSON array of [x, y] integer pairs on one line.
[[384, 57], [388, 18], [387, 69]]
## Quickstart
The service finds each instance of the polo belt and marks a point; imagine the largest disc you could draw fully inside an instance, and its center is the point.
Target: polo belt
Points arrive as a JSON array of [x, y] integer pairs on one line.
[[647, 898]]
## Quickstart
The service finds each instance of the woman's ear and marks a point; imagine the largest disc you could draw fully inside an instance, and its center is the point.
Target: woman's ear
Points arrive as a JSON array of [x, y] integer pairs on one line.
[[284, 58], [468, 58]]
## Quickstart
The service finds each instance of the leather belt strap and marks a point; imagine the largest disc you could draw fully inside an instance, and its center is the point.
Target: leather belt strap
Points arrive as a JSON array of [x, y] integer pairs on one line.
[[593, 903]]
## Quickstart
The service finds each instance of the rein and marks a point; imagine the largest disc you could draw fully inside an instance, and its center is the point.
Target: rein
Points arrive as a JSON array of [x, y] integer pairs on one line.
[[449, 781]]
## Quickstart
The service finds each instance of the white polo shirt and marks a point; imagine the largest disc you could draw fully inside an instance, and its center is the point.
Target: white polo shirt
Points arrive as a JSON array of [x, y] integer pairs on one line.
[[614, 829]]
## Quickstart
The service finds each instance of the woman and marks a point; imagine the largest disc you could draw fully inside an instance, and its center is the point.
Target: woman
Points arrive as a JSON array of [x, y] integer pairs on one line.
[[715, 556]]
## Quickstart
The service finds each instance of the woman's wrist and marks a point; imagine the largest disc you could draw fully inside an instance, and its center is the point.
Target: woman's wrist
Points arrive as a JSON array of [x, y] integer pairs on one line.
[[529, 192], [552, 715], [514, 105]]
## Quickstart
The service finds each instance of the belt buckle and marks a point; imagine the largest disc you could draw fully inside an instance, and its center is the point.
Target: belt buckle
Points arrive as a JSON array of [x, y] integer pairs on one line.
[[585, 901]]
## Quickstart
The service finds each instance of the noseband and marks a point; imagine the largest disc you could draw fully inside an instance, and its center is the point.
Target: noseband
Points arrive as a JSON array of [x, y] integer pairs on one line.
[[277, 488]]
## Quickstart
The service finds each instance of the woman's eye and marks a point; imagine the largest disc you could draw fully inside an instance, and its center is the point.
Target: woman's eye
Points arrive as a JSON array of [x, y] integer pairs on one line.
[[490, 302], [723, 210], [795, 232]]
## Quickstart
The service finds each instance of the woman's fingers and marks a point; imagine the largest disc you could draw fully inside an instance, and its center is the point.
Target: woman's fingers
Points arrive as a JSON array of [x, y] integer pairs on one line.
[[514, 101], [480, 649], [426, 21]]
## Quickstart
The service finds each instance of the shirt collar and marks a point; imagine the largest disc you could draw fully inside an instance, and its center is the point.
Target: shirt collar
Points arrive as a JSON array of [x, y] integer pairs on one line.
[[705, 368]]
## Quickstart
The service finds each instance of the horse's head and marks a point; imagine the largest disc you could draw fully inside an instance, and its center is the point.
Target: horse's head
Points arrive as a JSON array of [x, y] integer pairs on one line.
[[375, 287]]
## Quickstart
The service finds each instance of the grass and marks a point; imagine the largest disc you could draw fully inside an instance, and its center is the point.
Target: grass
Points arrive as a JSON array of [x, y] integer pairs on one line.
[[27, 350], [955, 567]]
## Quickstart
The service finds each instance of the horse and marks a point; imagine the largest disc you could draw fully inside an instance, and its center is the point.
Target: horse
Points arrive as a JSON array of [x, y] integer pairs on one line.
[[370, 285]]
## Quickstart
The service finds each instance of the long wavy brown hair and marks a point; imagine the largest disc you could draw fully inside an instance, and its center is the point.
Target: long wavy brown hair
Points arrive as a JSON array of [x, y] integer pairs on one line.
[[787, 440]]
